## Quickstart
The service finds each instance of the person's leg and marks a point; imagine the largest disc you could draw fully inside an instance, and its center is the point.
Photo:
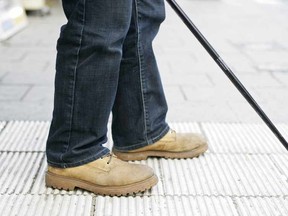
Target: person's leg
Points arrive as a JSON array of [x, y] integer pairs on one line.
[[87, 70], [140, 107]]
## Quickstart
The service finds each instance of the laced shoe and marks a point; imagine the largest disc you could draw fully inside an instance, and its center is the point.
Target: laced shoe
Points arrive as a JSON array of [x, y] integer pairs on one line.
[[105, 176], [172, 145]]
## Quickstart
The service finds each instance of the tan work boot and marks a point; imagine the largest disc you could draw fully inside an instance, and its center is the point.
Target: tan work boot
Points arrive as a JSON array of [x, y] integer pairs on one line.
[[172, 145], [105, 176]]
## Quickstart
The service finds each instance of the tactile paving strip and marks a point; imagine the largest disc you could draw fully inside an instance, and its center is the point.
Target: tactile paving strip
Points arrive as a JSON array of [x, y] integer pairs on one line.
[[168, 205], [245, 172], [18, 171], [46, 205], [243, 138], [212, 174], [24, 136], [281, 162], [255, 206], [225, 175], [2, 125]]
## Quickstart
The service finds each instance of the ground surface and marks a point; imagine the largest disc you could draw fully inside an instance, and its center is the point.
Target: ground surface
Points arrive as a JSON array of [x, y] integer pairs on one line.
[[245, 171]]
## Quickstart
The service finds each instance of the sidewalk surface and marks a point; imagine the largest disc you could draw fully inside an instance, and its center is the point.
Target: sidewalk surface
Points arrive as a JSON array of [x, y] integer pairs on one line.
[[245, 171], [250, 35]]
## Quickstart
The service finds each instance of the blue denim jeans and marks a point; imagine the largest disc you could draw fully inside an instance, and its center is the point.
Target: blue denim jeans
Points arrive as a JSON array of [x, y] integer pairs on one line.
[[105, 63]]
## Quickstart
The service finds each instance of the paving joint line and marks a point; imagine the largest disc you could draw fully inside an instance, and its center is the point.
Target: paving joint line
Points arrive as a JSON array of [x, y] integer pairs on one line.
[[183, 93], [200, 125], [161, 171], [3, 76], [277, 167], [37, 174], [93, 206], [27, 92], [236, 206]]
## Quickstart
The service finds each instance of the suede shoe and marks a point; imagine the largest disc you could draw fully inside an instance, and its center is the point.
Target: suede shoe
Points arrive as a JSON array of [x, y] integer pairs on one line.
[[172, 145], [105, 176]]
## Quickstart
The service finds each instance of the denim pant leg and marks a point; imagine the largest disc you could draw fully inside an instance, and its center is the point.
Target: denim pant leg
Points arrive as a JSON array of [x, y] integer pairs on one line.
[[89, 52], [140, 107]]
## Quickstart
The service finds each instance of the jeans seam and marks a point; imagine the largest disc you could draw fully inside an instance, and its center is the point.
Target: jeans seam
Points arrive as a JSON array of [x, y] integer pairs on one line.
[[140, 69], [74, 79]]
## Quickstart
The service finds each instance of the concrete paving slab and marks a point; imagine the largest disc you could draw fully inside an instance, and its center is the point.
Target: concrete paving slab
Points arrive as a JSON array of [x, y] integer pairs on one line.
[[268, 57], [272, 67], [11, 54], [29, 111], [13, 93], [217, 94], [174, 93], [2, 74], [197, 111], [233, 28], [245, 113], [282, 77], [30, 77], [190, 79], [40, 94], [25, 68]]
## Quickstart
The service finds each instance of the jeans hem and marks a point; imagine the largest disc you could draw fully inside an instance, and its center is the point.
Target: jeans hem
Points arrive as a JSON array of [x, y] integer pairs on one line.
[[146, 143], [79, 163]]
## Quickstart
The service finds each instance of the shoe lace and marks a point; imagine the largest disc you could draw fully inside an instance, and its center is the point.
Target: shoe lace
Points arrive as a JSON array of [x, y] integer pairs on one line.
[[172, 131], [110, 155]]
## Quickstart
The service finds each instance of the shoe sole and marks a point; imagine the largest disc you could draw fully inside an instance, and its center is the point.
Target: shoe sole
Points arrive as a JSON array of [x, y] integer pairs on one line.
[[67, 183], [135, 156]]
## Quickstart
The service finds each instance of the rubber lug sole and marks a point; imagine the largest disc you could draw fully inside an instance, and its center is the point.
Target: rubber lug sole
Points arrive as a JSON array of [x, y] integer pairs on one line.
[[135, 156], [68, 183]]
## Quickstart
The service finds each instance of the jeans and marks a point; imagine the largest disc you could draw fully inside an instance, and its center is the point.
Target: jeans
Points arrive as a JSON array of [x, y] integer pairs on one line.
[[105, 63]]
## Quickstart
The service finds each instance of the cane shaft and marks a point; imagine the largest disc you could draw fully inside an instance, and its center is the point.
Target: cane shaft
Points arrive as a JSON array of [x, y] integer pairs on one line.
[[227, 70]]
